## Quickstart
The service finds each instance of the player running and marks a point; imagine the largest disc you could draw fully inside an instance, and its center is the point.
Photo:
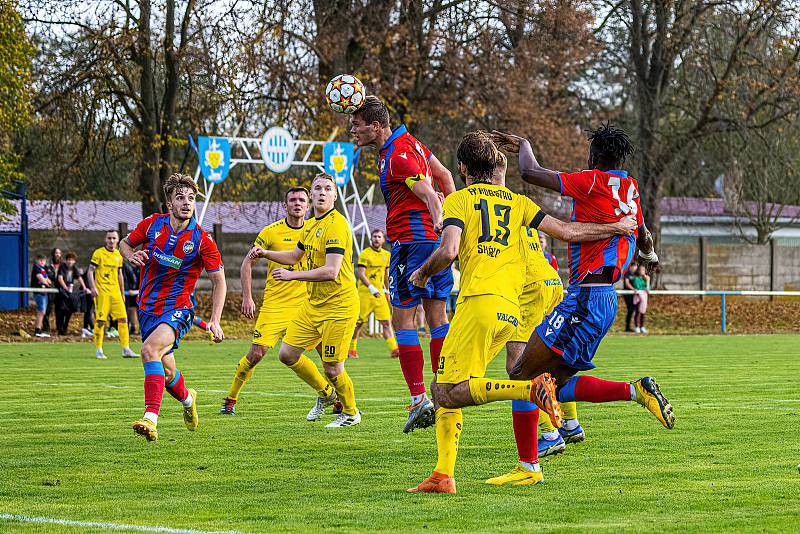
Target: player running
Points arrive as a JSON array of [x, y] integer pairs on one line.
[[483, 227], [108, 288], [281, 301], [174, 252], [408, 171], [566, 341], [372, 269], [330, 310]]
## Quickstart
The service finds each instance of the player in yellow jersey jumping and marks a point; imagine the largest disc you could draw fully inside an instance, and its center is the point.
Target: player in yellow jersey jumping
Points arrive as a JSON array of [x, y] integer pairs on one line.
[[328, 315], [108, 289], [372, 271], [482, 226], [281, 301]]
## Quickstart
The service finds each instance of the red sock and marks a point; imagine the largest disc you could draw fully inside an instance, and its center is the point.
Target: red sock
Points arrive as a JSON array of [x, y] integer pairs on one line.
[[176, 388], [153, 392], [411, 362], [525, 434], [592, 389]]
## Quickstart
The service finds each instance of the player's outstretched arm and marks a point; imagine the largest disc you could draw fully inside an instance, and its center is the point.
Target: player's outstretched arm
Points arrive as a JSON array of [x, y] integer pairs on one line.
[[575, 232], [284, 257], [529, 167], [246, 274], [326, 273], [442, 177], [218, 291], [441, 257], [646, 248]]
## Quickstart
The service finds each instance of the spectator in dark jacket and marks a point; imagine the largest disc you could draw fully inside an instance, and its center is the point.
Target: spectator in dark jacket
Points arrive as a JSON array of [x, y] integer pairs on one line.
[[130, 277], [52, 273], [70, 289], [627, 283]]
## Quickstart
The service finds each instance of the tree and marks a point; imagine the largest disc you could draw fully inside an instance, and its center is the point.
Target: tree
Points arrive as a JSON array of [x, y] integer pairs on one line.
[[16, 52], [682, 61]]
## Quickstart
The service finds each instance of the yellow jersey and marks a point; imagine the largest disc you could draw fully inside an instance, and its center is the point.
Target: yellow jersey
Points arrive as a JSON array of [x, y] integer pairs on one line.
[[491, 253], [279, 236], [330, 234], [537, 267], [107, 264], [375, 263]]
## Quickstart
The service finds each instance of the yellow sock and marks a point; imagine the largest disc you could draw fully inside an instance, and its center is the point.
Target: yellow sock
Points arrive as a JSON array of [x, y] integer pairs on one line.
[[354, 343], [308, 373], [98, 336], [124, 339], [391, 343], [485, 390], [570, 410], [544, 423], [346, 392], [448, 432], [244, 370]]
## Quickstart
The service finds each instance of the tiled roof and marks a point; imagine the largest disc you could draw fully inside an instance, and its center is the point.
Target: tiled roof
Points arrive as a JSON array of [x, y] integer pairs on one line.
[[235, 217]]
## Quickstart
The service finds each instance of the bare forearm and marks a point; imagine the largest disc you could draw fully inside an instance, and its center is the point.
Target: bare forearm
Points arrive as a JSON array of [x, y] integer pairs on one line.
[[326, 273], [436, 262], [90, 276], [125, 249], [434, 207], [246, 273], [645, 241], [360, 273], [285, 257], [219, 289], [578, 232]]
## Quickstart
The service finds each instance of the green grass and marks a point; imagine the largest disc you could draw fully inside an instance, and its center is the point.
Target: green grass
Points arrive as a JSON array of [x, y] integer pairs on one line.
[[68, 451]]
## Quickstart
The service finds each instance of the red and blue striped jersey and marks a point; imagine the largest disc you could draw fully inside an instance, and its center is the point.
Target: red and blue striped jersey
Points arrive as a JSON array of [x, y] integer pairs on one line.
[[601, 197], [403, 162], [175, 261]]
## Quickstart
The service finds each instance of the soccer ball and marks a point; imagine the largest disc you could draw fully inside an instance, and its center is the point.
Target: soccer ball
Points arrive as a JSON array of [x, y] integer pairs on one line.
[[345, 94]]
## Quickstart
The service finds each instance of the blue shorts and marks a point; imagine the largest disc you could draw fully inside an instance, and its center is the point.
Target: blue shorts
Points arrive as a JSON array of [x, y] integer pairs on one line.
[[576, 326], [407, 258], [41, 302], [180, 320]]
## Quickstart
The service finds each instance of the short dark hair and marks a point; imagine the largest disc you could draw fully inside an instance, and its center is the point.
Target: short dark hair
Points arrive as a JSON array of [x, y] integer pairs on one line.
[[376, 230], [40, 256], [609, 145], [296, 189], [479, 155], [72, 255], [112, 230], [178, 181], [373, 110]]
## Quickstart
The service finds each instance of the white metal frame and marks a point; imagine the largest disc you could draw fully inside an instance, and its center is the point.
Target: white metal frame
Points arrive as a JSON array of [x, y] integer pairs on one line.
[[248, 150]]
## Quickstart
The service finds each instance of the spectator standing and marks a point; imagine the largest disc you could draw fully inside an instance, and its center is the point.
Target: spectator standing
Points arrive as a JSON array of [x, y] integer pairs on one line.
[[52, 273], [70, 289], [41, 280], [641, 284], [130, 276], [627, 283]]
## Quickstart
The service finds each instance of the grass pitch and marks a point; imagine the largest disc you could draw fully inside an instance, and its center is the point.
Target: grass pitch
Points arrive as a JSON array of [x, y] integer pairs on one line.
[[68, 451]]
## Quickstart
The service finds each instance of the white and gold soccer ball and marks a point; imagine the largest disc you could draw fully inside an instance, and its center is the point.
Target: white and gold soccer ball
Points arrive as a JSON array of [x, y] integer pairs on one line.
[[345, 93]]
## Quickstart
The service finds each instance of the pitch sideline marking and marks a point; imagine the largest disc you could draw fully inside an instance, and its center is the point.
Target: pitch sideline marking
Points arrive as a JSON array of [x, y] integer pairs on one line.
[[110, 526]]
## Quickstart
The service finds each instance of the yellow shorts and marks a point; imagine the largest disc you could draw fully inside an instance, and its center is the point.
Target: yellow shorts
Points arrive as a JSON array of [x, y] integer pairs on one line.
[[481, 327], [109, 306], [535, 303], [377, 305], [310, 327], [271, 325]]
